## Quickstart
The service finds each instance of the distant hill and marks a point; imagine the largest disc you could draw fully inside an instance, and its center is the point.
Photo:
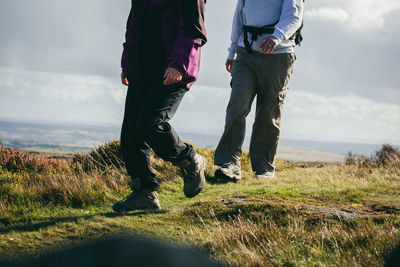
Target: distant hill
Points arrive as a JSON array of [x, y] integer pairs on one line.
[[205, 140], [288, 153], [81, 138], [54, 138]]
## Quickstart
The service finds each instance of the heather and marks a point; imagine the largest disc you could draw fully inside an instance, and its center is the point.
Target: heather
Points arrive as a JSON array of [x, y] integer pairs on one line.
[[310, 215]]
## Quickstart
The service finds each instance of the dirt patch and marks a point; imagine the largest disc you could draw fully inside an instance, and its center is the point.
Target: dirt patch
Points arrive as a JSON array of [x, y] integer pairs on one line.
[[328, 213], [336, 213]]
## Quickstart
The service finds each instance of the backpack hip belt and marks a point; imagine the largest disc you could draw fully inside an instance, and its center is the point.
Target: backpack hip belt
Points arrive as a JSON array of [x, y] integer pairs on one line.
[[255, 33]]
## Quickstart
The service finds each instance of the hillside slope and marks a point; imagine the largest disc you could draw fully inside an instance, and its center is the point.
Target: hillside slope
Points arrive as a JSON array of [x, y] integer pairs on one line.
[[303, 154], [307, 216]]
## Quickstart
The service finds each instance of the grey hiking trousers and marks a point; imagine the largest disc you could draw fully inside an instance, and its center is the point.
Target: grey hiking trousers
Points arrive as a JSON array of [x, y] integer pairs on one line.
[[266, 76]]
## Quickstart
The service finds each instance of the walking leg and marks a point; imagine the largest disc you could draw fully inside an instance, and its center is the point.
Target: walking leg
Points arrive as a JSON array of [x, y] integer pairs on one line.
[[273, 75], [244, 83]]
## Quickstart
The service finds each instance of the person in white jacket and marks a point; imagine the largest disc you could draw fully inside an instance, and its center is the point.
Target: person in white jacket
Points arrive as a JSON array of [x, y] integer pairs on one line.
[[260, 60]]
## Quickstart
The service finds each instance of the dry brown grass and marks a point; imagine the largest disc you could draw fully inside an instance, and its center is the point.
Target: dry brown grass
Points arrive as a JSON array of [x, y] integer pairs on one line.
[[68, 188], [272, 227], [289, 238]]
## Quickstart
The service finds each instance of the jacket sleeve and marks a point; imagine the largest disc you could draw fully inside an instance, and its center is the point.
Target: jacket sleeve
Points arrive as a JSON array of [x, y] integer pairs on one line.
[[128, 40], [185, 56], [290, 19], [237, 29]]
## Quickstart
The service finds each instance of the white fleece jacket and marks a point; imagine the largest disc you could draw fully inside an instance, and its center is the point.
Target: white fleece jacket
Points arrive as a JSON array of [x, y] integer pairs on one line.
[[260, 13]]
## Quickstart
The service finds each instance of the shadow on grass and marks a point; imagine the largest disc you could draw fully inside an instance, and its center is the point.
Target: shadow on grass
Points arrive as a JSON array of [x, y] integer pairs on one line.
[[23, 225], [211, 179], [120, 251]]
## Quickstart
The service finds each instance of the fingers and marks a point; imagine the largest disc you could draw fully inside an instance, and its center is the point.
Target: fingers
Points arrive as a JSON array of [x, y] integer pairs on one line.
[[167, 81], [172, 80], [167, 72], [124, 80], [228, 68], [269, 48], [268, 45], [172, 76], [228, 65], [168, 77], [262, 43]]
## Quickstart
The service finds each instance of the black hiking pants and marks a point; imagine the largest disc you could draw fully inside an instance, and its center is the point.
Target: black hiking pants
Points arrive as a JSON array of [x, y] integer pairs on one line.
[[148, 108]]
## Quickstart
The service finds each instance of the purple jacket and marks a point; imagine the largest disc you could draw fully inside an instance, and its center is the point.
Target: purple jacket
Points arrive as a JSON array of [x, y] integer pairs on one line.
[[183, 34]]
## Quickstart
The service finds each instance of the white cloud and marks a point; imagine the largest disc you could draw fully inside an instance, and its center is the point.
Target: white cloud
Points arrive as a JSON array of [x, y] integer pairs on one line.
[[350, 59], [55, 97], [358, 14], [346, 117], [60, 86], [352, 106], [366, 14], [330, 13], [119, 95], [215, 91]]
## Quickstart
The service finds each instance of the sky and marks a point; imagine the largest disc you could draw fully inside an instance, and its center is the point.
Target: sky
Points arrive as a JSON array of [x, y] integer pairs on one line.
[[60, 63]]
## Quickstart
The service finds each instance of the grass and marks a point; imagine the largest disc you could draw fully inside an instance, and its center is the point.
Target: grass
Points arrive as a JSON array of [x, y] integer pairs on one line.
[[278, 222]]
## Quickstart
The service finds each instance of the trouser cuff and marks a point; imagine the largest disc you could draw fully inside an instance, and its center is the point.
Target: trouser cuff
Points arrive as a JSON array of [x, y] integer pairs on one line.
[[139, 184], [184, 158]]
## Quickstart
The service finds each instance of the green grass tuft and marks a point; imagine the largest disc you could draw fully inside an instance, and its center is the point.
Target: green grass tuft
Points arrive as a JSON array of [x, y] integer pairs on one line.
[[293, 220]]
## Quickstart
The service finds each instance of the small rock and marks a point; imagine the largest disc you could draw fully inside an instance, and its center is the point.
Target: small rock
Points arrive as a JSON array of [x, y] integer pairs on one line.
[[336, 214], [230, 201]]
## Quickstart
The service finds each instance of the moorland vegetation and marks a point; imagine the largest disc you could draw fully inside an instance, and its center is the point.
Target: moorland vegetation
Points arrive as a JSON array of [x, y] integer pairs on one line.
[[311, 214]]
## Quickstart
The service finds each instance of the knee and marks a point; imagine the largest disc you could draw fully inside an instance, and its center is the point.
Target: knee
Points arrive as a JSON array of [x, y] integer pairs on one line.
[[269, 121], [238, 106], [237, 109], [148, 127]]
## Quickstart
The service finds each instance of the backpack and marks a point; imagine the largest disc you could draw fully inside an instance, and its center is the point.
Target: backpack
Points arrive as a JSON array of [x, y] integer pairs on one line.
[[297, 36]]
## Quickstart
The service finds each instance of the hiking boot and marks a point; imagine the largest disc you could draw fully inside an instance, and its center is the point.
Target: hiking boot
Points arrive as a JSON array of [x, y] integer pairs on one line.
[[193, 175], [265, 175], [229, 171], [138, 200]]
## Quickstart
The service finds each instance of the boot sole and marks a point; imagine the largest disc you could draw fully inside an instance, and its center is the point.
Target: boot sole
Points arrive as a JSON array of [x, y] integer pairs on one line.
[[221, 175]]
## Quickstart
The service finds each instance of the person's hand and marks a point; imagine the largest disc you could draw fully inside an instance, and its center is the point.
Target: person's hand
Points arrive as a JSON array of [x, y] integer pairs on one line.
[[124, 80], [228, 65], [268, 44], [172, 76]]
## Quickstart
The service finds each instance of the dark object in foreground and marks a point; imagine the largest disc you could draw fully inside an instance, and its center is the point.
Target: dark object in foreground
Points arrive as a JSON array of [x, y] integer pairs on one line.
[[120, 252], [394, 258]]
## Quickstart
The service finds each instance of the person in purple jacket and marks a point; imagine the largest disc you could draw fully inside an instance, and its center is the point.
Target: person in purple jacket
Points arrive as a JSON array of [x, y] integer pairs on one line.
[[160, 62]]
